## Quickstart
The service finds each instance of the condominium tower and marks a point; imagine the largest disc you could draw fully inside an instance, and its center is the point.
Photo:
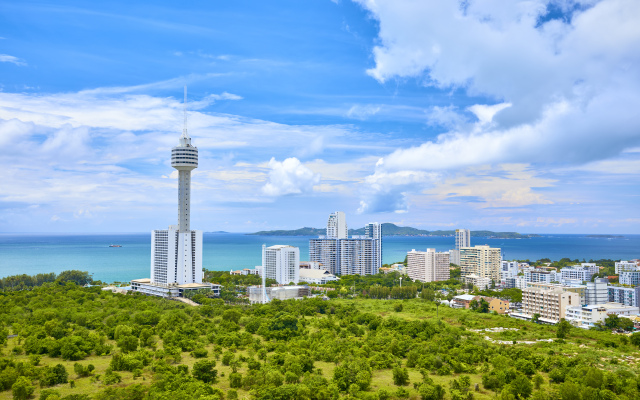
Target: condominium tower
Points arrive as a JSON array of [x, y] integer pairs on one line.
[[463, 239], [428, 266], [483, 261], [281, 263], [343, 255]]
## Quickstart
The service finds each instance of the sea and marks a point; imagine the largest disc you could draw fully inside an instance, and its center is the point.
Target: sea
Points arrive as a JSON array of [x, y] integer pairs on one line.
[[42, 253]]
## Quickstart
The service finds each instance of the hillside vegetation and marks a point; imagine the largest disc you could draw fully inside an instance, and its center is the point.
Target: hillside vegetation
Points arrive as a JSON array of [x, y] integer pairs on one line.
[[79, 343]]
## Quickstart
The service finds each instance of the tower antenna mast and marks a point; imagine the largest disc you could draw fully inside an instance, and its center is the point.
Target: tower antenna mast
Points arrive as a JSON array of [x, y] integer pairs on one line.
[[184, 130]]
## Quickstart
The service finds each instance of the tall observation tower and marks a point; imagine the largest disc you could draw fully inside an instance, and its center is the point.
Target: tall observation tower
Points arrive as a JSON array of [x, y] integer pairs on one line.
[[176, 253], [184, 158]]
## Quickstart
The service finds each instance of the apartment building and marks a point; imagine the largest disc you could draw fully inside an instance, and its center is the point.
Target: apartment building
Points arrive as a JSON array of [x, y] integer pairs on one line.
[[483, 261], [549, 304], [428, 266]]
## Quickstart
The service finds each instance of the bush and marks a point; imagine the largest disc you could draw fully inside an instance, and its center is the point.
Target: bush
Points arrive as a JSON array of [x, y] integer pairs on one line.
[[22, 389], [398, 307], [111, 377], [199, 353], [400, 376], [204, 371]]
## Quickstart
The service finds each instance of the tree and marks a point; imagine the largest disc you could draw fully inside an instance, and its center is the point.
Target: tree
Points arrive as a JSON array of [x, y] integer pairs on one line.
[[204, 371], [22, 389], [535, 318], [400, 376], [521, 387], [563, 329], [431, 392]]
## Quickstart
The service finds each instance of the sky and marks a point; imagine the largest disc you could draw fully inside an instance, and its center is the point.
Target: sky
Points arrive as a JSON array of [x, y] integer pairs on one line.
[[507, 115]]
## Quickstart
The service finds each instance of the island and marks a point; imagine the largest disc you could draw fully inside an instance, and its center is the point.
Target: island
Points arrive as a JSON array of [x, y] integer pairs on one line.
[[389, 229]]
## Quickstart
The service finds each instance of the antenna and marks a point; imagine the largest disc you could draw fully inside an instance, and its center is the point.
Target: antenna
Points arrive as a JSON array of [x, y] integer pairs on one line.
[[184, 130]]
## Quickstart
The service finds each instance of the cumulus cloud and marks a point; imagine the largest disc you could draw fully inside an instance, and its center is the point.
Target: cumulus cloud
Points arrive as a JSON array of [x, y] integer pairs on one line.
[[558, 90], [289, 177]]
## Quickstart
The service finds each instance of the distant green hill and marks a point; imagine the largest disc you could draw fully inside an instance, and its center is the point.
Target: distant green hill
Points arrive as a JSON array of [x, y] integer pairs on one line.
[[389, 229]]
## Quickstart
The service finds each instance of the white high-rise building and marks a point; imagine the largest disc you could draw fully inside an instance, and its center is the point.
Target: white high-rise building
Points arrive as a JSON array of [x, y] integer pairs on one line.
[[281, 263], [343, 255], [428, 266], [463, 239], [176, 253], [337, 226]]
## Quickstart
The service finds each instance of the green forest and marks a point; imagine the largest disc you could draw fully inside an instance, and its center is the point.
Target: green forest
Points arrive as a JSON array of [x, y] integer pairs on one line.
[[64, 341]]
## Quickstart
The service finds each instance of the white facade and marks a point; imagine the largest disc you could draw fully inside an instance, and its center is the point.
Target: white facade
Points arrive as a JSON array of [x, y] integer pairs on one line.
[[587, 316], [281, 263], [624, 266], [539, 275], [631, 278], [578, 273], [360, 255], [176, 257], [629, 296], [256, 293], [325, 252], [316, 276], [597, 292], [463, 238], [509, 269], [337, 226], [483, 261], [428, 266], [480, 282]]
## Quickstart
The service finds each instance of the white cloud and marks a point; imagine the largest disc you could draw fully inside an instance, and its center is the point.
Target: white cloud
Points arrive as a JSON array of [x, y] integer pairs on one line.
[[485, 113], [558, 92], [12, 59], [289, 177], [363, 112]]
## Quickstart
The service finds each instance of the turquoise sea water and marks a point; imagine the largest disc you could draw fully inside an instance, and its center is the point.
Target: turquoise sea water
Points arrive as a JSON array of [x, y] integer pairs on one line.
[[37, 253]]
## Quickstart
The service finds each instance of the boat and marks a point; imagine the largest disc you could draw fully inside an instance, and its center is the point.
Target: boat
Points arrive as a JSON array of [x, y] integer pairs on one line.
[[115, 245]]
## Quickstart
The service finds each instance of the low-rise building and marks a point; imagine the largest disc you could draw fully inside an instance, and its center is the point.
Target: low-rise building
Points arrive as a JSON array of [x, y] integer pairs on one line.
[[589, 315], [580, 290], [498, 305], [579, 273], [247, 271], [462, 301], [549, 304], [256, 293], [145, 286], [316, 276], [477, 281], [311, 265], [540, 275]]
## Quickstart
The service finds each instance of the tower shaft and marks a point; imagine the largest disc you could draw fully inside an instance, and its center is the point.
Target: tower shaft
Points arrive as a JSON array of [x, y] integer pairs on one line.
[[184, 200]]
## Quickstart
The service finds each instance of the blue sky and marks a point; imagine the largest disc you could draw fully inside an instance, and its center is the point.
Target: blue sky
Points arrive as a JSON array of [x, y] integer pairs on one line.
[[483, 114]]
